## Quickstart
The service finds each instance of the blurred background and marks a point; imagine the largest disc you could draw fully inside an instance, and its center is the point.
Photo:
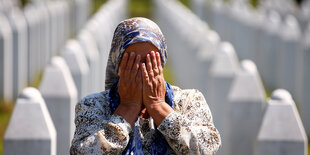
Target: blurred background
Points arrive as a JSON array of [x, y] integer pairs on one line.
[[250, 59]]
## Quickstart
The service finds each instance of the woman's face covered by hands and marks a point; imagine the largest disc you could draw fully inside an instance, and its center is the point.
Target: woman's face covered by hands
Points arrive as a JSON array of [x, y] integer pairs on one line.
[[141, 79]]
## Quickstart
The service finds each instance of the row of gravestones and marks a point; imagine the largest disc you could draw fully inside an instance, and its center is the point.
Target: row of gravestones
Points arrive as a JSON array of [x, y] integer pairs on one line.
[[42, 121], [29, 37], [276, 36], [247, 122]]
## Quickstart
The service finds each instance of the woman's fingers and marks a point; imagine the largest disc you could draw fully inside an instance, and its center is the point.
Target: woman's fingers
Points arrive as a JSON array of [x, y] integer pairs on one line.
[[135, 67], [139, 78], [123, 63], [149, 67], [158, 58], [145, 76], [130, 63], [154, 64]]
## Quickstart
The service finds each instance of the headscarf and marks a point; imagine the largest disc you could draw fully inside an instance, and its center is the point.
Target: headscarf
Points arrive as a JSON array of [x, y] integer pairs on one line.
[[129, 32]]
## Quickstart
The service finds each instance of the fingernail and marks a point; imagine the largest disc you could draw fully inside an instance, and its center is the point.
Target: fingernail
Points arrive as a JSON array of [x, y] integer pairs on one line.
[[148, 55], [125, 54], [132, 54], [138, 57]]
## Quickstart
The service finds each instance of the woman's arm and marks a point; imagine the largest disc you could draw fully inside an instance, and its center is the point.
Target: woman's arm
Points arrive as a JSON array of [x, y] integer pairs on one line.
[[191, 130], [98, 131]]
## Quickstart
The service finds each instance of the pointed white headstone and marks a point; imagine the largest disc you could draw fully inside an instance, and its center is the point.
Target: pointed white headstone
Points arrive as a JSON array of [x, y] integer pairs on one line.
[[31, 130], [60, 94], [20, 50], [246, 98], [271, 46], [32, 20], [205, 53], [222, 72], [287, 57], [78, 66], [303, 81], [53, 27], [281, 131], [6, 59], [91, 52]]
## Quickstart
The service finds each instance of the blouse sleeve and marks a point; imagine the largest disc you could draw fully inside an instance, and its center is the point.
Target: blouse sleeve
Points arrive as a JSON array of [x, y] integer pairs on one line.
[[96, 135], [190, 130]]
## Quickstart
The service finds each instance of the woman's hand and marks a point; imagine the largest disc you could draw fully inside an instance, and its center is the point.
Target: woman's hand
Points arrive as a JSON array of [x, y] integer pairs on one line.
[[154, 88], [130, 87]]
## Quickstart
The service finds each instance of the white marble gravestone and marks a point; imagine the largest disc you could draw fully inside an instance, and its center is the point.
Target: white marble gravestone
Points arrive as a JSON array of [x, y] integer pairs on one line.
[[269, 51], [91, 52], [32, 20], [246, 98], [78, 66], [53, 27], [281, 131], [60, 94], [303, 81], [203, 59], [44, 23], [20, 50], [287, 57], [222, 72], [6, 59], [31, 130]]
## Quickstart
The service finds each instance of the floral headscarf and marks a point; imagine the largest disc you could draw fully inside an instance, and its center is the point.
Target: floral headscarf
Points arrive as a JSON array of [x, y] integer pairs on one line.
[[127, 33]]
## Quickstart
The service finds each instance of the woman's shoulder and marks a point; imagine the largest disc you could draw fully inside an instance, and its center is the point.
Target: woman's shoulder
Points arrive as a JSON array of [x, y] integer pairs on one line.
[[96, 100], [185, 97], [191, 102], [178, 92]]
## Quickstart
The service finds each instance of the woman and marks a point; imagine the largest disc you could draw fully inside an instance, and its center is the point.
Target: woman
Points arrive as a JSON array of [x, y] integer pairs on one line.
[[140, 113]]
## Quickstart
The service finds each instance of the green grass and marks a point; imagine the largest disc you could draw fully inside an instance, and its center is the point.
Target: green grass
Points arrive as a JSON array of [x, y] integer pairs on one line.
[[140, 8], [186, 3], [5, 114], [97, 4]]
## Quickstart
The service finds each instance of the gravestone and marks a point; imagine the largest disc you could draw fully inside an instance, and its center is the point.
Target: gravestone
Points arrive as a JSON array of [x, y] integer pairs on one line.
[[32, 20], [77, 63], [271, 45], [81, 13], [303, 81], [203, 59], [44, 23], [91, 52], [281, 131], [20, 47], [30, 130], [53, 27], [6, 60], [287, 58], [93, 28], [60, 94], [222, 72], [246, 98]]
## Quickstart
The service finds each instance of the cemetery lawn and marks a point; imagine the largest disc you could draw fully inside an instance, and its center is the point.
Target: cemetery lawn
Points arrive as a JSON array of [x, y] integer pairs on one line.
[[5, 114]]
